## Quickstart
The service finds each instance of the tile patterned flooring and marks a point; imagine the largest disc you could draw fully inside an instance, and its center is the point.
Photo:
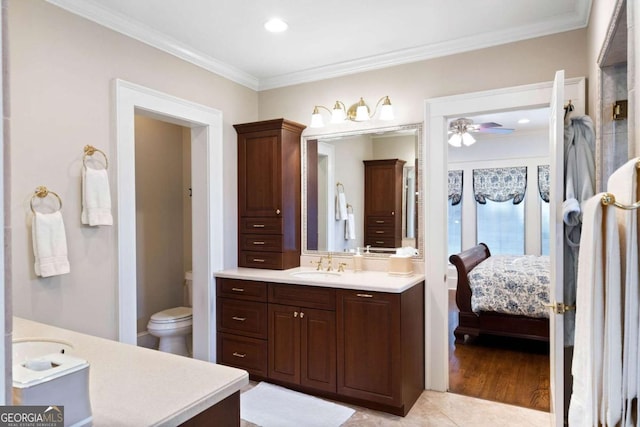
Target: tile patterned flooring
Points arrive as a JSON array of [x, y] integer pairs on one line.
[[446, 410]]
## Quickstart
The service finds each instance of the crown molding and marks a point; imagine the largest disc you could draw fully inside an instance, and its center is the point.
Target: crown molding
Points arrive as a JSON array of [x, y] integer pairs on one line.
[[89, 9], [94, 12]]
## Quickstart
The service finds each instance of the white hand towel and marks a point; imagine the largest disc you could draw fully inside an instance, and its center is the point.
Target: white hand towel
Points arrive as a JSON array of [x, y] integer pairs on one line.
[[341, 207], [96, 197], [49, 244], [350, 228], [623, 184]]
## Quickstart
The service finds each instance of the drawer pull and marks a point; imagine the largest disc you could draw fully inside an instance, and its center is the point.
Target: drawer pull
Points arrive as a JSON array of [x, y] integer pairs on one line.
[[258, 243], [240, 355], [239, 319], [258, 260], [379, 222], [258, 225], [380, 242], [237, 289], [379, 232], [364, 295]]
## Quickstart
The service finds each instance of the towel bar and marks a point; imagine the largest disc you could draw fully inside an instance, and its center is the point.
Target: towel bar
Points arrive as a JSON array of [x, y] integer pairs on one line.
[[42, 192]]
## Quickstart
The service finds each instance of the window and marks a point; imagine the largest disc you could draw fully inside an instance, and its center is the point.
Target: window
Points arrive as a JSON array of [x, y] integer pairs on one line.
[[454, 212], [543, 190], [499, 193]]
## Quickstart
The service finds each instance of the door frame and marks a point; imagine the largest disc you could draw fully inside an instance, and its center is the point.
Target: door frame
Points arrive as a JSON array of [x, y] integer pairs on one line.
[[437, 112], [207, 223]]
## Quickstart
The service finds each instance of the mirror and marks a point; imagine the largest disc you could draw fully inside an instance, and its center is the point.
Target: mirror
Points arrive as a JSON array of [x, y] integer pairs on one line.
[[361, 189]]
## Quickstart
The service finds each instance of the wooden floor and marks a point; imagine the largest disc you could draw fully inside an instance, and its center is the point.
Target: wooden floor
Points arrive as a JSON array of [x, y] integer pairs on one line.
[[500, 369]]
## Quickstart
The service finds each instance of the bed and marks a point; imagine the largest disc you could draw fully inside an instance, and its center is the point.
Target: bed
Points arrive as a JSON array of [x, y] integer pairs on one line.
[[474, 321]]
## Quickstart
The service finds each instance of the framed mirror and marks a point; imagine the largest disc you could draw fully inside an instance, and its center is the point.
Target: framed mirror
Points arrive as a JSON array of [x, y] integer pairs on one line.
[[360, 189]]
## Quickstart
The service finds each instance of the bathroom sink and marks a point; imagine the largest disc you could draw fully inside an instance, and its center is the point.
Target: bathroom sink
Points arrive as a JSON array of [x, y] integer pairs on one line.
[[316, 274], [31, 348]]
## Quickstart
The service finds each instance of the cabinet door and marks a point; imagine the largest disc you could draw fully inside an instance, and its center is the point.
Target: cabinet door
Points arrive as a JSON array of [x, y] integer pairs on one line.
[[259, 174], [318, 349], [380, 182], [284, 343], [369, 352]]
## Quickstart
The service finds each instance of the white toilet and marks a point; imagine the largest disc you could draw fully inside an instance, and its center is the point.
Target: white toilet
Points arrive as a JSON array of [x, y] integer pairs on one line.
[[174, 325]]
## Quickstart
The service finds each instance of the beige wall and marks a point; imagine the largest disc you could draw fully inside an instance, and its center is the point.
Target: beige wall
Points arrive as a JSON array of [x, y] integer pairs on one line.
[[514, 64], [62, 67], [160, 192]]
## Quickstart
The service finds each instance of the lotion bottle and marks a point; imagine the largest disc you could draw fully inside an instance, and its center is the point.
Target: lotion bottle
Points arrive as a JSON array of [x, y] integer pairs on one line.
[[357, 261]]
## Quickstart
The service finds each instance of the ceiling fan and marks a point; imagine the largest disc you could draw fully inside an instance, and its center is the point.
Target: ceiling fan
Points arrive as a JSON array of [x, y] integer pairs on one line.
[[461, 128]]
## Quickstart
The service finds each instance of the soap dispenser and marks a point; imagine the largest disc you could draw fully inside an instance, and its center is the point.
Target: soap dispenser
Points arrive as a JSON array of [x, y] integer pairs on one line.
[[357, 260]]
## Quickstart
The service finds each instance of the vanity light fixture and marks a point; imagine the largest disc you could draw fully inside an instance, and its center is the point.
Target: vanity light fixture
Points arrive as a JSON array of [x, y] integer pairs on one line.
[[358, 112]]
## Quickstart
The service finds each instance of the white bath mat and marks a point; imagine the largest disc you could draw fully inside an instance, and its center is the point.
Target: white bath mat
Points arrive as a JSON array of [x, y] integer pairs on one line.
[[268, 405]]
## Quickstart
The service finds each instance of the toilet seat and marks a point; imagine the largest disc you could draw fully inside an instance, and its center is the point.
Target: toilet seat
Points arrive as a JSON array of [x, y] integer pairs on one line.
[[171, 319]]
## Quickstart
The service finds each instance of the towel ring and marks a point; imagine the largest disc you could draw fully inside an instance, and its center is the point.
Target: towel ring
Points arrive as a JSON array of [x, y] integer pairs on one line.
[[42, 192], [90, 150], [349, 208], [338, 185]]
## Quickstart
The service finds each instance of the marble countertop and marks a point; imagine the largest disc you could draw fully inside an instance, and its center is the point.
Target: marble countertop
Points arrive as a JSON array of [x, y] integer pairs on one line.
[[373, 281], [137, 386]]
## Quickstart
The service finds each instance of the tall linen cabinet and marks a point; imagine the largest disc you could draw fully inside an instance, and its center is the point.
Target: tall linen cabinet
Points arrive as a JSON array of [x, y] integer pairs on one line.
[[269, 175]]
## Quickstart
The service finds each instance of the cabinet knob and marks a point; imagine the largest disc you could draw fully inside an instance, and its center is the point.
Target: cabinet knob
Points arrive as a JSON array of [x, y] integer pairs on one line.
[[393, 212], [295, 314], [277, 211], [301, 315]]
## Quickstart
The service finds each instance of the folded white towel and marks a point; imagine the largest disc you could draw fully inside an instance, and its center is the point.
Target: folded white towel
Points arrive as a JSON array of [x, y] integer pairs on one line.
[[96, 197], [49, 244], [341, 207], [350, 228]]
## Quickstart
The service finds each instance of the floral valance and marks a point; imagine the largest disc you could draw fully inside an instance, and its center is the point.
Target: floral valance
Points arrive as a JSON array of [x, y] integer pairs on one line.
[[455, 186], [543, 182], [500, 184]]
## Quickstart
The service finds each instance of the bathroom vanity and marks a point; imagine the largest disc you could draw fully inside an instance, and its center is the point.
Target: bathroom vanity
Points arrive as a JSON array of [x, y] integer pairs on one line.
[[357, 337], [137, 386]]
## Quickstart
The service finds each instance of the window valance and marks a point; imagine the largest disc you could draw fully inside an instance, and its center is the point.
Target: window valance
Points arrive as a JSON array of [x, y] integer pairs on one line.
[[543, 182], [455, 186], [500, 184]]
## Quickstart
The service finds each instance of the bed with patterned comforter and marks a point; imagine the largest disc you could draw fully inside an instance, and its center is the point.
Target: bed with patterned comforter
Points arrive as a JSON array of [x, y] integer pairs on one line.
[[501, 295]]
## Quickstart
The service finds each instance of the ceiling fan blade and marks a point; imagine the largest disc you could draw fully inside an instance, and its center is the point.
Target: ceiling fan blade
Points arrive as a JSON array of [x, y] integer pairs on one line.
[[488, 125], [495, 130]]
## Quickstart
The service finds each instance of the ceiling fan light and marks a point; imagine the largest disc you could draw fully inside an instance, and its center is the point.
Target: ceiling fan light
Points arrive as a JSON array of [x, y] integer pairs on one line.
[[455, 140], [316, 119], [467, 139]]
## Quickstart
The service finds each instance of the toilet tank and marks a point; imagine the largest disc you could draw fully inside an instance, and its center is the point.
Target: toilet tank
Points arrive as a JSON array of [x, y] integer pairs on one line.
[[188, 287]]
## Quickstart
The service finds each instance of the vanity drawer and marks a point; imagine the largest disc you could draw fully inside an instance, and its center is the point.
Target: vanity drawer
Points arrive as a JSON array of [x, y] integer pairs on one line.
[[242, 317], [381, 221], [261, 242], [378, 241], [252, 259], [241, 289], [245, 353], [303, 296], [260, 225]]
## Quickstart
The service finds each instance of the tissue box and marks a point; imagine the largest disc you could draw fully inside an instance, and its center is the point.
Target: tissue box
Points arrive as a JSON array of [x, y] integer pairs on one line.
[[400, 265]]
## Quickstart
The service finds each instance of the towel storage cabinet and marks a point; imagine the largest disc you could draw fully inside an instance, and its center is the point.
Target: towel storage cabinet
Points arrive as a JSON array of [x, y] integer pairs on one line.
[[383, 203], [269, 194]]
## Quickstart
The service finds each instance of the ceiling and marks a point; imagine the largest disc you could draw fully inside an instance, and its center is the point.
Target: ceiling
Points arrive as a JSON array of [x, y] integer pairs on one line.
[[538, 121], [327, 38]]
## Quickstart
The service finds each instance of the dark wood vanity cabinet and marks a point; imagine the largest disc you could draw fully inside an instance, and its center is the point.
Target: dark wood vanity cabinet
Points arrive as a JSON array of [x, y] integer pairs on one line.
[[361, 347], [381, 347], [269, 194], [383, 202]]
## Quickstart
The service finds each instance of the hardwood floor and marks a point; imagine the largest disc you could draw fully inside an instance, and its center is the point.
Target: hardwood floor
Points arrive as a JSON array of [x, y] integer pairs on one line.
[[506, 370]]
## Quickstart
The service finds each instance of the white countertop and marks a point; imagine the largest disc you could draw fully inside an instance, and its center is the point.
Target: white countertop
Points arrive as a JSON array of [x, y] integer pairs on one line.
[[373, 281], [136, 386]]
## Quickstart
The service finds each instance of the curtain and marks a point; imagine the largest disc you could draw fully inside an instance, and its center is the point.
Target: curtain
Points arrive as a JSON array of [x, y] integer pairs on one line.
[[455, 186], [543, 182], [500, 184]]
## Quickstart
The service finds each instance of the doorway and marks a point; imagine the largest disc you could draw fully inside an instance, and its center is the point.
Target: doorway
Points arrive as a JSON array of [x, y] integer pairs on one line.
[[437, 112], [205, 125]]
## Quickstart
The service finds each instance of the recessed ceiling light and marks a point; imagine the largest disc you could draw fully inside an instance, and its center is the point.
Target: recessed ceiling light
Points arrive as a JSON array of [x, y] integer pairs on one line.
[[523, 121], [276, 25]]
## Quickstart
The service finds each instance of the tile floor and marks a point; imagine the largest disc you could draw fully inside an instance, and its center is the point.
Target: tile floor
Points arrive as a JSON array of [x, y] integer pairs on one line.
[[446, 410]]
